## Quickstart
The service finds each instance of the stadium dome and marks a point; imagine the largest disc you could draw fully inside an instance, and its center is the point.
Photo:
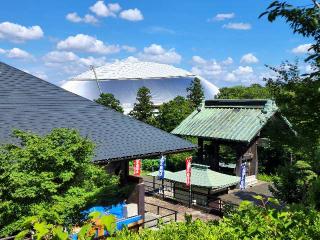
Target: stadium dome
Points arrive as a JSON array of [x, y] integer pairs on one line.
[[124, 78]]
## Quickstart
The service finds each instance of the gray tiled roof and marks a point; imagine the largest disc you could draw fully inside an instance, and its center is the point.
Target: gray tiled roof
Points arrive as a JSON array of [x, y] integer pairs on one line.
[[32, 104]]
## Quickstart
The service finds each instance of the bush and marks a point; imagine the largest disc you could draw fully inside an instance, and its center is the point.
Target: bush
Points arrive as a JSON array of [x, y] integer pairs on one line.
[[248, 222], [51, 177], [293, 182]]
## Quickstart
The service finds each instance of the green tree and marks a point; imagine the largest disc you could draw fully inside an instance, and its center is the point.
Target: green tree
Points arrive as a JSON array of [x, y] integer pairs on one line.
[[108, 100], [303, 20], [195, 92], [293, 182], [299, 100], [172, 113], [143, 108], [51, 177], [255, 91]]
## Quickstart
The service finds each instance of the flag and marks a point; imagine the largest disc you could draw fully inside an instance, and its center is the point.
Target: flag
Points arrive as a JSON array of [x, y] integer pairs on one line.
[[162, 166], [243, 170], [137, 167], [188, 171]]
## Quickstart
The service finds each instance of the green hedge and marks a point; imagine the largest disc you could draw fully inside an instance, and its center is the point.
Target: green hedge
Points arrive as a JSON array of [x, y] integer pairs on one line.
[[249, 222]]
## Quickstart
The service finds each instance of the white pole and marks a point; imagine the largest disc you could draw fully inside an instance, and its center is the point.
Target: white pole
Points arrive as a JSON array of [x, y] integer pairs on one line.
[[95, 76]]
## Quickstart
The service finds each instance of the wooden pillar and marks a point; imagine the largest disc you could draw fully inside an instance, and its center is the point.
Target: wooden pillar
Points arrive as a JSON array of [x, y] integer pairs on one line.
[[124, 172], [239, 152], [200, 150], [211, 155], [216, 156]]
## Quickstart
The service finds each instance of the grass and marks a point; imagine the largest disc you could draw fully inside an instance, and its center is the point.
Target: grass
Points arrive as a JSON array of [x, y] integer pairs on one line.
[[265, 177]]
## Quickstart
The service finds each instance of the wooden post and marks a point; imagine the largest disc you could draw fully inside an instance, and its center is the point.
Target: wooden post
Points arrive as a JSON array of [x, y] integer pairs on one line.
[[216, 156], [162, 188], [190, 196], [200, 150]]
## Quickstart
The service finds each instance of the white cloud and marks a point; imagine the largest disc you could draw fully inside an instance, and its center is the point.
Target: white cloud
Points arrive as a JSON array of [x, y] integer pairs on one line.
[[129, 49], [224, 72], [230, 77], [70, 63], [92, 61], [88, 18], [243, 70], [73, 17], [18, 53], [249, 58], [156, 53], [131, 15], [205, 68], [103, 10], [86, 43], [60, 57], [198, 60], [114, 7], [41, 75], [302, 49], [2, 51], [159, 29], [227, 61], [223, 16], [18, 33], [237, 26]]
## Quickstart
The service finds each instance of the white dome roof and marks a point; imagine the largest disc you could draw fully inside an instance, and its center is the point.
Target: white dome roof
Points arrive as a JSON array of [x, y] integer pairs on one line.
[[124, 78], [132, 68]]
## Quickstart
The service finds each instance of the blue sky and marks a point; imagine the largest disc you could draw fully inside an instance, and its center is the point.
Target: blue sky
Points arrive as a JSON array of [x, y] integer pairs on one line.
[[223, 41]]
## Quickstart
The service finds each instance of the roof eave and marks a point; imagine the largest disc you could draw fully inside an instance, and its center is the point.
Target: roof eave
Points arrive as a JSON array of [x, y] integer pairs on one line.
[[147, 155]]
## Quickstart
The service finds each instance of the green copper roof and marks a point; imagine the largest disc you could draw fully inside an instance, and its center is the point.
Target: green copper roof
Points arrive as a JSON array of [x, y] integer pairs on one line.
[[236, 120], [201, 176]]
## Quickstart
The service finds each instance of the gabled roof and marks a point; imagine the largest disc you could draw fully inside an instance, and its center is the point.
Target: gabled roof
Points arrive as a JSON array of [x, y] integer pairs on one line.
[[232, 120], [29, 103], [202, 176]]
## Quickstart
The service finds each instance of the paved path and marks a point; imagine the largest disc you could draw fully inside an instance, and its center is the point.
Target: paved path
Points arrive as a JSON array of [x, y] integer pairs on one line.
[[236, 196]]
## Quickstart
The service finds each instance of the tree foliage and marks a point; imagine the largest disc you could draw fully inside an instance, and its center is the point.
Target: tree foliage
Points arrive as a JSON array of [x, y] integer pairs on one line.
[[293, 182], [108, 100], [172, 113], [195, 92], [298, 96], [255, 91], [143, 108], [49, 176], [299, 100], [248, 222], [303, 20]]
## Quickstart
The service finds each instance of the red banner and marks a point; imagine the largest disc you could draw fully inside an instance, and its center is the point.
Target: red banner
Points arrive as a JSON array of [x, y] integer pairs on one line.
[[188, 171], [137, 167]]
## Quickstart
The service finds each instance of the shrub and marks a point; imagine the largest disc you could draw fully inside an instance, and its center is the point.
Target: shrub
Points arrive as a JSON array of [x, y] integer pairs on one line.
[[51, 177]]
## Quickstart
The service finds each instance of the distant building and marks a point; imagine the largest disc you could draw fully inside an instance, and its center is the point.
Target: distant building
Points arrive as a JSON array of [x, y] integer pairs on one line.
[[124, 78]]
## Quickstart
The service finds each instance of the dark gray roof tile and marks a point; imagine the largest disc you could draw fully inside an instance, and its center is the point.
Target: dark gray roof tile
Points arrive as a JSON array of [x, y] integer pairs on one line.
[[29, 103]]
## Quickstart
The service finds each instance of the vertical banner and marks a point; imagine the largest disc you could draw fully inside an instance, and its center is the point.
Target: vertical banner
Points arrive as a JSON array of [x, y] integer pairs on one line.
[[162, 165], [243, 171], [188, 171], [137, 167]]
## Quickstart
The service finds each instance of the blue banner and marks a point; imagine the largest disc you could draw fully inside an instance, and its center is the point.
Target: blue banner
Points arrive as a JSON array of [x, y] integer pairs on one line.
[[162, 166], [243, 171]]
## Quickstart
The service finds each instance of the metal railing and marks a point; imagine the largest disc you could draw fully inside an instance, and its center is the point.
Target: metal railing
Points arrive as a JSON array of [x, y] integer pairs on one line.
[[170, 215], [205, 201]]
